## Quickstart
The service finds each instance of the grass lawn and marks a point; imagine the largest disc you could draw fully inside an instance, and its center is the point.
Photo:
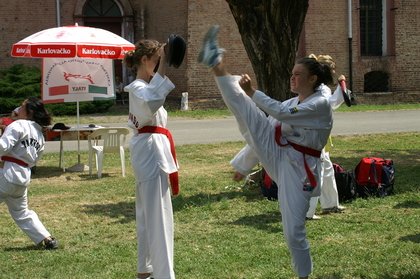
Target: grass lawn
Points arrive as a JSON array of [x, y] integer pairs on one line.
[[223, 229]]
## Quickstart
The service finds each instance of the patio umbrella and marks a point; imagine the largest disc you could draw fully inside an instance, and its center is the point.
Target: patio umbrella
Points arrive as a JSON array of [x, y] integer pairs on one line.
[[73, 42]]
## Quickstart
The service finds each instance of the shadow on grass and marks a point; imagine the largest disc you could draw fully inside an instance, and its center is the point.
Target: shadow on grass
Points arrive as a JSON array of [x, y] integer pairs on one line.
[[408, 204], [414, 275], [269, 221], [413, 238], [125, 212], [384, 276], [26, 248], [46, 172], [333, 276], [204, 199]]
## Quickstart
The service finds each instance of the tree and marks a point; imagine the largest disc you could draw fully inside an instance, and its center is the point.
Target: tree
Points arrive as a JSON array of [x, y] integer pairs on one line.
[[270, 31]]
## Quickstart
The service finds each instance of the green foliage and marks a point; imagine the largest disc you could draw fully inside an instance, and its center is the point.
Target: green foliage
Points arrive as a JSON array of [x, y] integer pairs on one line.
[[20, 81], [16, 84], [62, 109]]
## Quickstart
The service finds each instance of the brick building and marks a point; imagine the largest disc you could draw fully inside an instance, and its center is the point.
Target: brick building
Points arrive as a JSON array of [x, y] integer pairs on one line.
[[383, 46]]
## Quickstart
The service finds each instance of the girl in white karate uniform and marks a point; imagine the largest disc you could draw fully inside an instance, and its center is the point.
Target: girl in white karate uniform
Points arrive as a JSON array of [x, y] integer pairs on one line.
[[153, 160], [288, 144], [245, 160], [21, 146], [329, 193]]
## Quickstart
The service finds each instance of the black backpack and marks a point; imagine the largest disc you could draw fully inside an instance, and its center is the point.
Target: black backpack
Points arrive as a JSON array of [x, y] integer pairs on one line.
[[346, 184]]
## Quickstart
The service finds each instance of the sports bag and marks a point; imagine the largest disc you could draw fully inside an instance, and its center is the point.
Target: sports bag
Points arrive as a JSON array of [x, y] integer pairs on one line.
[[345, 182], [375, 177], [269, 188]]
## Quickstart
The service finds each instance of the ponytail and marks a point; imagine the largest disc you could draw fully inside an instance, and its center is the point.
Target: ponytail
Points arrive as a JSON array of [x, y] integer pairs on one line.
[[36, 110], [322, 71]]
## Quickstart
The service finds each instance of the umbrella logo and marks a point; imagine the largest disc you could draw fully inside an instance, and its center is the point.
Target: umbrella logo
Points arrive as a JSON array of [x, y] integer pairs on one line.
[[88, 77], [51, 51], [101, 52]]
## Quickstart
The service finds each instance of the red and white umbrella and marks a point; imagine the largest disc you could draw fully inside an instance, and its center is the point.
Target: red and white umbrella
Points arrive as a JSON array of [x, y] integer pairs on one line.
[[72, 41]]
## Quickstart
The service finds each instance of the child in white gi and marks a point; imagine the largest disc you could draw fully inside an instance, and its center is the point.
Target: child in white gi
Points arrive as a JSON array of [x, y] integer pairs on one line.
[[288, 148], [21, 146], [246, 159], [153, 159]]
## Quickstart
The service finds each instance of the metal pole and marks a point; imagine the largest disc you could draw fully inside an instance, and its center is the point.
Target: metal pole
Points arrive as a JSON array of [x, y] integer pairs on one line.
[[57, 7], [350, 38], [78, 134]]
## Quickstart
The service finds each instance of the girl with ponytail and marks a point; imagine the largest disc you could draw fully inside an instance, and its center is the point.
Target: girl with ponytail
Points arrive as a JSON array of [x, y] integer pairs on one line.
[[21, 146]]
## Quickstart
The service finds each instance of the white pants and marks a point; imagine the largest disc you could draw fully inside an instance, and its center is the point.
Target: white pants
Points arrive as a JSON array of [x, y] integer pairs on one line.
[[329, 193], [284, 165], [16, 199], [155, 229]]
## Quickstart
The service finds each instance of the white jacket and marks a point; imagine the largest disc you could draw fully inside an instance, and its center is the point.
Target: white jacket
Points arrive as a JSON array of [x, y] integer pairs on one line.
[[23, 140], [149, 152]]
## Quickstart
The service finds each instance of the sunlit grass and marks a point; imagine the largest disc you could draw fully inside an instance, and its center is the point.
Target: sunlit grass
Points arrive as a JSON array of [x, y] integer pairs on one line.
[[223, 229]]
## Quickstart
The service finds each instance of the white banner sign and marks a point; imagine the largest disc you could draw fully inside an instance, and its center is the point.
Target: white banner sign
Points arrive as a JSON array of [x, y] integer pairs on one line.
[[77, 79]]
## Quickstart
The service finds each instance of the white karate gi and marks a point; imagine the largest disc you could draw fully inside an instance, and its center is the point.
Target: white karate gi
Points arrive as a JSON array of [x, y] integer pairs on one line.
[[246, 159], [152, 161], [329, 193], [22, 140], [308, 124]]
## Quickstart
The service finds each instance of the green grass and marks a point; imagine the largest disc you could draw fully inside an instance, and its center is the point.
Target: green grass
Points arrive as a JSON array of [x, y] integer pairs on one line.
[[223, 229], [357, 108]]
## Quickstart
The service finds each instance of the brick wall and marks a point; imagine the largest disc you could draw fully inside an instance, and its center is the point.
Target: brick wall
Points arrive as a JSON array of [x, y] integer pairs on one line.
[[201, 15], [325, 32], [19, 20]]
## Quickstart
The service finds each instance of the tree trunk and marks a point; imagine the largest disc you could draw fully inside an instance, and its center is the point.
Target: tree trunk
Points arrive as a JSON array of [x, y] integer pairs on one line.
[[270, 31]]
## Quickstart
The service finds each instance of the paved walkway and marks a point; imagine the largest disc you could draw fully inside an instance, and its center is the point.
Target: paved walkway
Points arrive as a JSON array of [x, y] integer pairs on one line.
[[222, 130]]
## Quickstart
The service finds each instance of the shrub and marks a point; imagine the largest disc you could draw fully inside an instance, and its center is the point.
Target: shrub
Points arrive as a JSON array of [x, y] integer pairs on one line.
[[20, 82], [16, 84], [61, 109]]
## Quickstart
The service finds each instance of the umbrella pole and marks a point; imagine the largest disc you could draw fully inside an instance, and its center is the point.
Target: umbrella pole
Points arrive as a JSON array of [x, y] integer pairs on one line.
[[79, 167], [78, 133]]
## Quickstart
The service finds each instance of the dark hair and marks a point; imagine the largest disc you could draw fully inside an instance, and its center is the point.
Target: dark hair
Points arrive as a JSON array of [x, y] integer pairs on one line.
[[143, 47], [35, 109], [322, 71]]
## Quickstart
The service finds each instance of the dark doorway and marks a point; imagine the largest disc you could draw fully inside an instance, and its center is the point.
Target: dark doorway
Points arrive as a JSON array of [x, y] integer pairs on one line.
[[105, 14]]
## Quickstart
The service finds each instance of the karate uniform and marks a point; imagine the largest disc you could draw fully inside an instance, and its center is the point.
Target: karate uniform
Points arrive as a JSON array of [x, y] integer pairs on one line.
[[22, 140], [152, 161], [307, 124], [246, 159], [329, 192]]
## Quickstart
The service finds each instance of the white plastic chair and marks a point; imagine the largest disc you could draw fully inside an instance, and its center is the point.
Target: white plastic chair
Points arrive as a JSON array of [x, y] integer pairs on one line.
[[106, 140]]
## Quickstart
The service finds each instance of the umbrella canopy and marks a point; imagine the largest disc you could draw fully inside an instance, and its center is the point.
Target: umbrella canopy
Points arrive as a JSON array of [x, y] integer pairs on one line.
[[72, 41]]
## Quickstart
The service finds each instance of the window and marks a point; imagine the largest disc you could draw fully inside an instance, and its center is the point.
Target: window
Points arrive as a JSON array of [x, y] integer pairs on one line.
[[371, 24], [101, 8], [377, 27], [376, 81]]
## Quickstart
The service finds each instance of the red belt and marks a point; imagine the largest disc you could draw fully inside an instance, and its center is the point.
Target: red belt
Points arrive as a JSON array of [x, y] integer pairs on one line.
[[173, 177], [14, 160], [305, 151]]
